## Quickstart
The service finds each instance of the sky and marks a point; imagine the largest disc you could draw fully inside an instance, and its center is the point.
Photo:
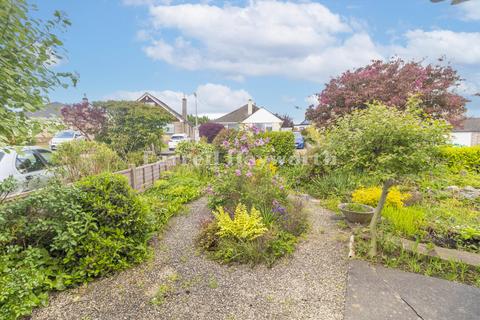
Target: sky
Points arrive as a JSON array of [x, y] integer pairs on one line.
[[278, 53]]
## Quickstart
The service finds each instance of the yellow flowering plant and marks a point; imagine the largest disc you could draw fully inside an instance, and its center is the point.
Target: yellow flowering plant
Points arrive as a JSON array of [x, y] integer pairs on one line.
[[243, 226], [370, 196]]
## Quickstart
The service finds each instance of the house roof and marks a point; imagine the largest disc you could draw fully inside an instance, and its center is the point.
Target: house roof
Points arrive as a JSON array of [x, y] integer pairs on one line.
[[303, 123], [237, 115], [468, 125], [147, 97]]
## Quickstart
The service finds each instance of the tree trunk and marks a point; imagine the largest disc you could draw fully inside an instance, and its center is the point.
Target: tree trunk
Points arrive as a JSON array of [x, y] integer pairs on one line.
[[376, 217]]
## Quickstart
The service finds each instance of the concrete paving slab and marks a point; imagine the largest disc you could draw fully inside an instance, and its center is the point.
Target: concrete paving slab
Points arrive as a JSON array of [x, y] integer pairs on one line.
[[375, 292]]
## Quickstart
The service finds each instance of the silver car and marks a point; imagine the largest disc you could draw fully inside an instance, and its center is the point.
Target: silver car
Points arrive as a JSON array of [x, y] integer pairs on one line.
[[65, 136], [27, 165]]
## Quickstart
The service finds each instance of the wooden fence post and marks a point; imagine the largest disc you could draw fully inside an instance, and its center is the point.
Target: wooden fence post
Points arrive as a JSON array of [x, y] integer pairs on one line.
[[133, 176]]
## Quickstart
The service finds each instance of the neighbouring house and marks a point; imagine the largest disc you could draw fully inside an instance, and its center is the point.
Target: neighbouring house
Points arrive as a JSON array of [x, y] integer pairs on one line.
[[250, 115], [302, 125], [180, 124], [467, 133]]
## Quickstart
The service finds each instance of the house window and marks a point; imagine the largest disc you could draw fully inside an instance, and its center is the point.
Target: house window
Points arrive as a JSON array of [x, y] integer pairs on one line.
[[169, 128], [232, 126]]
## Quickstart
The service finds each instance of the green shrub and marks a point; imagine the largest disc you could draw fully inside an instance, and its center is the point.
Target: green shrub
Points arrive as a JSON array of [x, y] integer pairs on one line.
[[283, 143], [121, 227], [462, 158], [24, 278], [77, 159], [201, 154], [65, 235]]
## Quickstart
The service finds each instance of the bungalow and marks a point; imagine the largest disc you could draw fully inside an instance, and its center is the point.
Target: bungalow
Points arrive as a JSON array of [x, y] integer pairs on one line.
[[180, 124], [250, 115], [302, 125], [467, 133]]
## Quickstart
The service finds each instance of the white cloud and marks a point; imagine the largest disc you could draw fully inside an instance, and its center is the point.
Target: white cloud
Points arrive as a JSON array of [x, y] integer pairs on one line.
[[470, 10], [213, 99], [299, 40], [457, 47]]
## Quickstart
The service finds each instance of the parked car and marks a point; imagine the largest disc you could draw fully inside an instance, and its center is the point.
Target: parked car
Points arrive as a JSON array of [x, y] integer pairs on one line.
[[175, 139], [299, 141], [27, 165], [65, 136]]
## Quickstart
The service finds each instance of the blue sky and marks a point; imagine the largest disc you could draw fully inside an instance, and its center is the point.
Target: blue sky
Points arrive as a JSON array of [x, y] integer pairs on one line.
[[277, 53]]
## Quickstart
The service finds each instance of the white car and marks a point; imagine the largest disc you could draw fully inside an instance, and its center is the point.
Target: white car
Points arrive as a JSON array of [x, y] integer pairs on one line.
[[65, 136], [27, 165], [175, 139]]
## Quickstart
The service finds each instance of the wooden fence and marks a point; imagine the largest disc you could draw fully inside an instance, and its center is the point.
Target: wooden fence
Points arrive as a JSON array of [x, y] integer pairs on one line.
[[139, 178], [143, 177]]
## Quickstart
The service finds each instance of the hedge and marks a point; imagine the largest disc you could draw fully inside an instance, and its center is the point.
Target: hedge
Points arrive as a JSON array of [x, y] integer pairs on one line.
[[462, 158], [283, 143]]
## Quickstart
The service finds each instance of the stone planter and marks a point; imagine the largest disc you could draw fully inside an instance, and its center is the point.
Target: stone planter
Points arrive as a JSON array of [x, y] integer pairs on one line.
[[356, 216]]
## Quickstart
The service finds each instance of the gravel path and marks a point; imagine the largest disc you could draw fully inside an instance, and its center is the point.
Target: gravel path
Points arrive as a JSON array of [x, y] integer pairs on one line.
[[308, 285]]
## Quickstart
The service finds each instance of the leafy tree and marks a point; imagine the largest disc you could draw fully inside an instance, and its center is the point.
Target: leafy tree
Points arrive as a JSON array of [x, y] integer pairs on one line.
[[392, 83], [84, 117], [387, 143], [133, 126], [210, 130], [201, 119], [287, 120], [29, 48]]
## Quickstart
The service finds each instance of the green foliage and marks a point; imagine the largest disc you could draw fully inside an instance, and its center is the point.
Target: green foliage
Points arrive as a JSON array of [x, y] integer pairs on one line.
[[122, 228], [408, 221], [255, 185], [61, 236], [283, 143], [133, 126], [169, 194], [81, 158], [7, 186], [385, 142], [462, 158], [24, 279], [201, 154], [243, 226], [29, 47]]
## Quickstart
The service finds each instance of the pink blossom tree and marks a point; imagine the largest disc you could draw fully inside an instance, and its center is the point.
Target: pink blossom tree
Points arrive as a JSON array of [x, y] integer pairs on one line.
[[391, 83], [85, 118]]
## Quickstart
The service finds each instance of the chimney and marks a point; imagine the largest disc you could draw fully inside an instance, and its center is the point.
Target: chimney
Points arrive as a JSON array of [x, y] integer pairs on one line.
[[250, 106], [184, 108]]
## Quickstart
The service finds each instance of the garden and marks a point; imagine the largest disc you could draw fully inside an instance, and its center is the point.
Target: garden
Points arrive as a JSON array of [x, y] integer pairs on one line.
[[400, 165]]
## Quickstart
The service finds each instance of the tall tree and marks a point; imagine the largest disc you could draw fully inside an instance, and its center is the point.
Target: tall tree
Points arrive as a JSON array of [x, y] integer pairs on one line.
[[392, 83], [210, 130], [84, 117], [201, 119], [29, 48], [133, 126]]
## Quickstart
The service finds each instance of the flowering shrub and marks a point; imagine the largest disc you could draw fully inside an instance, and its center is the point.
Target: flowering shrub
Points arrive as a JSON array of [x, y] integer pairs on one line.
[[371, 196], [254, 184], [249, 179], [243, 226]]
